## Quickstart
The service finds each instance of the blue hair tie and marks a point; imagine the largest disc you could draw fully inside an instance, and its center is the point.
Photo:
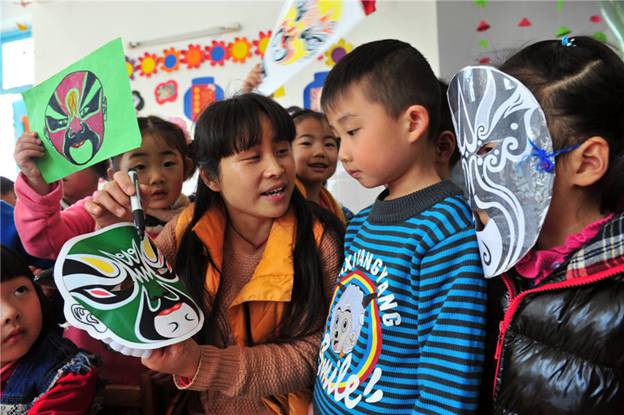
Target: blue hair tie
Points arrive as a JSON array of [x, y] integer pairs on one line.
[[567, 41], [546, 161]]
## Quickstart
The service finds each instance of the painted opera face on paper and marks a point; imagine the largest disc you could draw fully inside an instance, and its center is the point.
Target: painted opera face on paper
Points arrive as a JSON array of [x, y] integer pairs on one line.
[[119, 287], [75, 115], [304, 29]]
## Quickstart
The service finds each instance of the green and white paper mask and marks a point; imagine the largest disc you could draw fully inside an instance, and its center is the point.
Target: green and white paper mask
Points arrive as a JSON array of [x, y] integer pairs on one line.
[[121, 290]]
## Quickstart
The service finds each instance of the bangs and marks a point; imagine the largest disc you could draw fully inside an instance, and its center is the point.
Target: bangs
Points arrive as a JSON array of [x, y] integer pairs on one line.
[[13, 265], [234, 125]]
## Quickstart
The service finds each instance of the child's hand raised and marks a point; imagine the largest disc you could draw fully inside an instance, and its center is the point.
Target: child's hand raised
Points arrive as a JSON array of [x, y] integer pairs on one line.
[[253, 79], [180, 359], [112, 204], [27, 149]]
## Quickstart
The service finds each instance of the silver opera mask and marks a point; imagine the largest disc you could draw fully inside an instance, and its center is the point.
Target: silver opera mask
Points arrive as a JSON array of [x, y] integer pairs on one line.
[[508, 162]]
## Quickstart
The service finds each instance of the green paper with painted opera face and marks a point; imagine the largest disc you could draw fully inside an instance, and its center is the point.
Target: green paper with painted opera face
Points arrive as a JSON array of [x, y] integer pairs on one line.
[[123, 292], [84, 114]]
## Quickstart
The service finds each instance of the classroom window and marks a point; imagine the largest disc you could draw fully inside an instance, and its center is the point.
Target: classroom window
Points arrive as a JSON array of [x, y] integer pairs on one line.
[[17, 73]]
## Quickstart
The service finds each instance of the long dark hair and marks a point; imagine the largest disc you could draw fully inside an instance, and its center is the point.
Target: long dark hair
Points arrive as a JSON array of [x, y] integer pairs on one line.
[[226, 128], [581, 89]]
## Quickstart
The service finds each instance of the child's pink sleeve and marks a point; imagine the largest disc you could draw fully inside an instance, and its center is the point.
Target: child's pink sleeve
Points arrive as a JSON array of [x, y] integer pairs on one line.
[[42, 226]]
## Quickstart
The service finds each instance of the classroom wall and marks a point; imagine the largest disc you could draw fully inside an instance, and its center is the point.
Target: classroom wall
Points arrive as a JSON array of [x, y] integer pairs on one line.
[[509, 26], [66, 31]]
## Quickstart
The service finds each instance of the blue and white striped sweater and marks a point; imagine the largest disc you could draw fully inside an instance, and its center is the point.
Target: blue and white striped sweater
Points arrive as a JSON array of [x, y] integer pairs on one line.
[[406, 327]]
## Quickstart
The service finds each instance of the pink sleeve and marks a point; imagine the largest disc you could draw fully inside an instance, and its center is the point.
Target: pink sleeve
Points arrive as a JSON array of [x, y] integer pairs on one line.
[[72, 395], [42, 226]]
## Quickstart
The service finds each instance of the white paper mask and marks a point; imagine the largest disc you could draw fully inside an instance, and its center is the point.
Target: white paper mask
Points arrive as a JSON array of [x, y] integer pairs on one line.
[[512, 183]]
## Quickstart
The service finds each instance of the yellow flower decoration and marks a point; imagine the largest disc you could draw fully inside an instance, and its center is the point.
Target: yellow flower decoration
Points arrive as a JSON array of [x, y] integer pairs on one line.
[[148, 64], [240, 49], [262, 43]]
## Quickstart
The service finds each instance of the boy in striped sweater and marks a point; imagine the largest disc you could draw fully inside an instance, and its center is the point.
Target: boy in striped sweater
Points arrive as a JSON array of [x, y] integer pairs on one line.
[[405, 332]]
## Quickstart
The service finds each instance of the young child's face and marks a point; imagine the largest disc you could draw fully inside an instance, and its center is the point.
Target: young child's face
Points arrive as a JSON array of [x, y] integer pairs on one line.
[[257, 183], [315, 150], [160, 167], [21, 318], [79, 185], [371, 150]]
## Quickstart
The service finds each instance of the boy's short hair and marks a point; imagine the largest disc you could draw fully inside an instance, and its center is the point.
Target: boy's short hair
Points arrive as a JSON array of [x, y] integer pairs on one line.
[[393, 73]]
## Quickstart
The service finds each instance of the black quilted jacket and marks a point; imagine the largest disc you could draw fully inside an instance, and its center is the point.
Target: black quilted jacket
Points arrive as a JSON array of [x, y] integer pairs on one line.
[[558, 348]]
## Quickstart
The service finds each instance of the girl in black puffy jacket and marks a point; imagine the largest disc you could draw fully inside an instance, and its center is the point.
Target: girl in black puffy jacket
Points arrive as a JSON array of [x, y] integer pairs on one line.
[[556, 320]]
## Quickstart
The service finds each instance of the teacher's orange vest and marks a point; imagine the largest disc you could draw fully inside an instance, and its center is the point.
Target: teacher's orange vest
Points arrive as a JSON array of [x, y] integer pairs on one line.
[[266, 293]]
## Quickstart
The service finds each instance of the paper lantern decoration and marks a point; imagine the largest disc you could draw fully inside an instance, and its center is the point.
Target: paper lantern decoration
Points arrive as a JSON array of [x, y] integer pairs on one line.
[[312, 92], [203, 92], [170, 60], [484, 43], [193, 56], [337, 51], [595, 19], [485, 60], [148, 65], [240, 49], [166, 92], [262, 42]]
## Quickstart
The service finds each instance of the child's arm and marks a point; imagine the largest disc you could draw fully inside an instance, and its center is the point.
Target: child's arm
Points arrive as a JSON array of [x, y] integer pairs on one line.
[[262, 370], [72, 394], [451, 334], [42, 226], [28, 149], [253, 79]]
